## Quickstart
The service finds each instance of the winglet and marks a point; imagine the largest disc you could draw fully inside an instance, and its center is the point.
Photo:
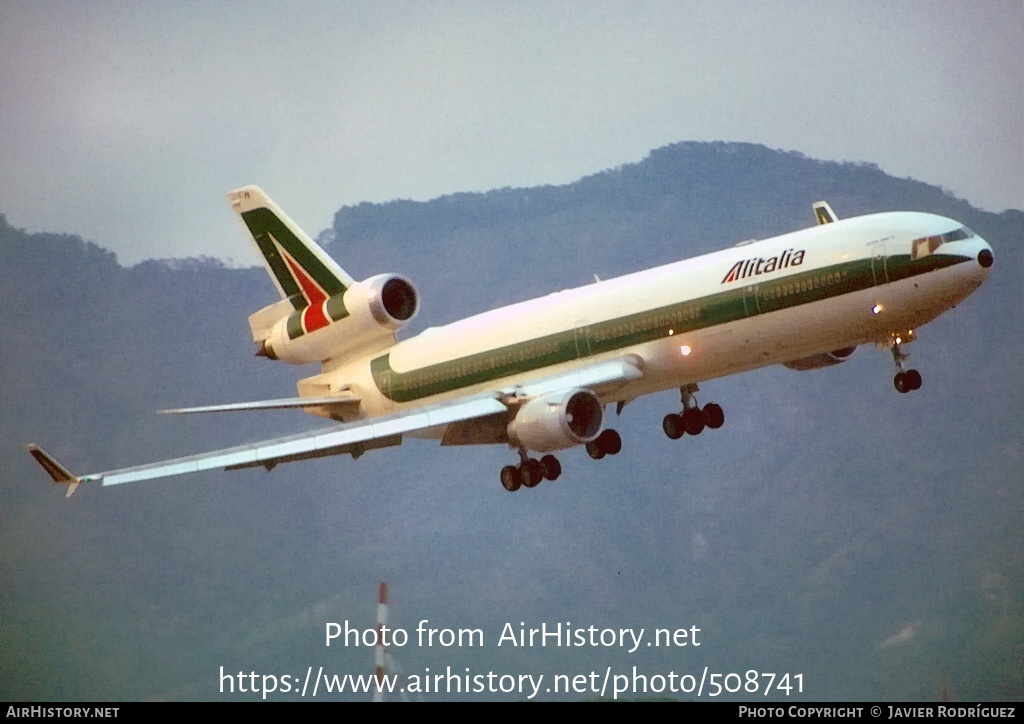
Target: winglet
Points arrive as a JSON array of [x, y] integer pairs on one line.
[[823, 213], [54, 469]]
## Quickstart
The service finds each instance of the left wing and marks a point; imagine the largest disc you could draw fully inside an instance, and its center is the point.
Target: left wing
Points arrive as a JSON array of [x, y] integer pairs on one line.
[[357, 437], [354, 438]]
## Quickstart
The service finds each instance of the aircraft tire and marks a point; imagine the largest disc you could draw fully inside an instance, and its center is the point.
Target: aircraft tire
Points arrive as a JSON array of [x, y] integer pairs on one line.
[[610, 441], [510, 478], [530, 473], [901, 383], [693, 421], [914, 379], [594, 450], [714, 415], [672, 425], [550, 467]]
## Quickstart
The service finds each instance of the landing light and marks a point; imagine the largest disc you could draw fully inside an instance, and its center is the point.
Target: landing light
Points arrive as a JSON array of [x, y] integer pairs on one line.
[[671, 332], [877, 309], [685, 350]]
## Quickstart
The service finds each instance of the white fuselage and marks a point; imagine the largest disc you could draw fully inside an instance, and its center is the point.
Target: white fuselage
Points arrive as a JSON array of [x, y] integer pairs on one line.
[[687, 321]]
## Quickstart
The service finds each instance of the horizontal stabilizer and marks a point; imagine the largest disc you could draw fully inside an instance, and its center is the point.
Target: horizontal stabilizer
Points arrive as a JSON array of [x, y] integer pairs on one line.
[[282, 404], [54, 469], [262, 322]]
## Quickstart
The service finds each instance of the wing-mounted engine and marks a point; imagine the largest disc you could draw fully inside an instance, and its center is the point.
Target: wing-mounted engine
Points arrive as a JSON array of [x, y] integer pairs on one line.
[[825, 359], [558, 420], [364, 316]]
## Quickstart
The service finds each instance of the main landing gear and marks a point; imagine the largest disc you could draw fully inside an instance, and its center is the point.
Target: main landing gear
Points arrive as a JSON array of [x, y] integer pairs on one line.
[[905, 380], [529, 472], [692, 420], [607, 443]]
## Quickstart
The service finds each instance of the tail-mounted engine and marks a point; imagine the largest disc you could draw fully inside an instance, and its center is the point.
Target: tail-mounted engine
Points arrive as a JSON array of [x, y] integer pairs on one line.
[[366, 314], [825, 359], [557, 421]]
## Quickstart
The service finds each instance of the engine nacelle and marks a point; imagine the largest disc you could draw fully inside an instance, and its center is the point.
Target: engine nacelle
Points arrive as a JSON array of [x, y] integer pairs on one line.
[[557, 421], [825, 359], [367, 313], [388, 301]]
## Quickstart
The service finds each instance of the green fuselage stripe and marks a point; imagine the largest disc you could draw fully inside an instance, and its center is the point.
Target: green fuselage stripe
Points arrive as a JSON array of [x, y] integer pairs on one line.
[[731, 305]]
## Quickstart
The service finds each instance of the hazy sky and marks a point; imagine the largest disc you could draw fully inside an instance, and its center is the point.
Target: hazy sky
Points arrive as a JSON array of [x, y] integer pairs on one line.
[[127, 122]]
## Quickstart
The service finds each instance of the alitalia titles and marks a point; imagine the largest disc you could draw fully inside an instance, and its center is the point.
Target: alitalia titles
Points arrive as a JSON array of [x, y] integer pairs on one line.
[[757, 265]]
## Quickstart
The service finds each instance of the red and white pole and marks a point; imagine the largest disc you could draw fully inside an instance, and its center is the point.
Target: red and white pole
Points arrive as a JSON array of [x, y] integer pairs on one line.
[[381, 651]]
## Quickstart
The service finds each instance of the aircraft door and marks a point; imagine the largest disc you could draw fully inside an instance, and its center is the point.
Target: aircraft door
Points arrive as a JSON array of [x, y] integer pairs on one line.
[[582, 333], [878, 268], [750, 302]]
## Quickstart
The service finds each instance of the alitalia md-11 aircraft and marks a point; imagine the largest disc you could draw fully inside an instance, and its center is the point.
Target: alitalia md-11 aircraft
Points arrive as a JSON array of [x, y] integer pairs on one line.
[[539, 375]]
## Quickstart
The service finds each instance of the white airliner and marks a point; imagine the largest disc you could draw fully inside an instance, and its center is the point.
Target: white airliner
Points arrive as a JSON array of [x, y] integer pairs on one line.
[[539, 375]]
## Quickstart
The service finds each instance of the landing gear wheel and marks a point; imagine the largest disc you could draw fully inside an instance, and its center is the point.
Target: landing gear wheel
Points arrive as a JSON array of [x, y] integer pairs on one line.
[[714, 415], [913, 378], [510, 478], [530, 473], [595, 450], [693, 421], [901, 383], [672, 424], [550, 467], [610, 442]]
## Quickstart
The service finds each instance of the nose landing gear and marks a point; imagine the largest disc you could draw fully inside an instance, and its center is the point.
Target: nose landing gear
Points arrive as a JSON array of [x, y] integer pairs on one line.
[[905, 380]]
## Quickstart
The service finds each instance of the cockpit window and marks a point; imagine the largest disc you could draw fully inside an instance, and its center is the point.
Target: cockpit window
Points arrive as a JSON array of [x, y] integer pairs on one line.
[[962, 233], [928, 244]]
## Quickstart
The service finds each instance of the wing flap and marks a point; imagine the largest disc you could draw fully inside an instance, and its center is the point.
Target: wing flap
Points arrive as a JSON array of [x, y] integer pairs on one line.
[[355, 449]]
